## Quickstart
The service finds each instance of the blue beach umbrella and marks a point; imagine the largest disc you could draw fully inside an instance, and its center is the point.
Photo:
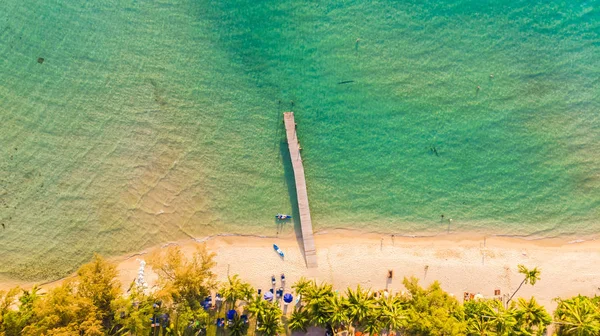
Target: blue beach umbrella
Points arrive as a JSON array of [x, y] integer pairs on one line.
[[206, 305], [231, 314], [268, 296], [287, 298]]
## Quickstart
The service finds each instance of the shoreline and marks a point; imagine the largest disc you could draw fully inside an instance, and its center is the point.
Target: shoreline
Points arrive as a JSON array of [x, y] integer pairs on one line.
[[460, 262]]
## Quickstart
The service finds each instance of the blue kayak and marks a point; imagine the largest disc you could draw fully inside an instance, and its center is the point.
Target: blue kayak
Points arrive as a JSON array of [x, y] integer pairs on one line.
[[278, 250], [282, 216]]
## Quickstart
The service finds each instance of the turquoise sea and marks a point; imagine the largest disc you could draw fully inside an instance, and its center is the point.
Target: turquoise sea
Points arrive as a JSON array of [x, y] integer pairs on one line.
[[149, 121]]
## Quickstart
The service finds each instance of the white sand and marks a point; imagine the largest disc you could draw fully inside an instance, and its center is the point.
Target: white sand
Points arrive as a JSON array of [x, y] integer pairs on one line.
[[460, 264]]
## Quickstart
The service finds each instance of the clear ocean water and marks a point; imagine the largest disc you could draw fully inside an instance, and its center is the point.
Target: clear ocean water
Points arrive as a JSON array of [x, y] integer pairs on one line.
[[149, 121]]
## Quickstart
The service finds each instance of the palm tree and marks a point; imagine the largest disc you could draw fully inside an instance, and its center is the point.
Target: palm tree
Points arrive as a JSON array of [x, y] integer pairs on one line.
[[298, 321], [501, 320], [479, 326], [392, 315], [372, 325], [317, 300], [577, 316], [234, 289], [531, 317], [257, 308], [531, 277], [271, 321], [302, 286], [336, 309], [237, 327], [360, 303]]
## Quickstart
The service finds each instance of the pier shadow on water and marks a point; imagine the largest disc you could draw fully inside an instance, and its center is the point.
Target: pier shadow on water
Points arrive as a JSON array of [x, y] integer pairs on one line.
[[291, 187]]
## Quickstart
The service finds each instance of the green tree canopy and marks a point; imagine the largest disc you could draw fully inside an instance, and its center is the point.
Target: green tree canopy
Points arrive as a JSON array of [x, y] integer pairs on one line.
[[63, 312], [316, 299], [577, 316], [530, 316], [182, 280], [183, 284], [360, 304], [299, 321], [432, 311], [97, 281], [235, 289], [270, 324]]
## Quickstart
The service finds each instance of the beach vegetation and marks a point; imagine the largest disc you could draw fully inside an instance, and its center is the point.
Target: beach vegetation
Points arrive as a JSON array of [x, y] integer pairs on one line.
[[298, 321], [531, 276], [13, 321], [488, 317], [183, 284], [491, 317], [235, 289], [531, 317], [392, 314], [182, 281], [301, 287], [372, 327], [97, 282], [361, 306], [258, 307], [92, 303], [237, 327], [270, 323], [578, 316], [337, 310], [501, 319], [431, 311], [316, 299], [63, 312], [132, 312]]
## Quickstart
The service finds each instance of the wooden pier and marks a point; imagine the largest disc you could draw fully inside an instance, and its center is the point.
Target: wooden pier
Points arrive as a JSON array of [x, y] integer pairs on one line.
[[310, 253]]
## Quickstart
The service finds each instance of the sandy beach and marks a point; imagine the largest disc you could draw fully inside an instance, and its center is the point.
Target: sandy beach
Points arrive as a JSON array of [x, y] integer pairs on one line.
[[346, 258]]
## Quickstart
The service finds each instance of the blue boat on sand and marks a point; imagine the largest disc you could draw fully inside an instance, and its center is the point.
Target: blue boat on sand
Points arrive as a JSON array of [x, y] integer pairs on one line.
[[283, 216], [278, 250]]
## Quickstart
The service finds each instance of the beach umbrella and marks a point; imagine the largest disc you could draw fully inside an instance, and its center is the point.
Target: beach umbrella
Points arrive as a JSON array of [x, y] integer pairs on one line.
[[206, 305], [268, 296], [287, 298], [231, 314]]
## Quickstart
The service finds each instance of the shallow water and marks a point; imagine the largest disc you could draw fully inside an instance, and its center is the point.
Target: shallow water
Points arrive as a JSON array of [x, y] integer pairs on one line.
[[151, 121]]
